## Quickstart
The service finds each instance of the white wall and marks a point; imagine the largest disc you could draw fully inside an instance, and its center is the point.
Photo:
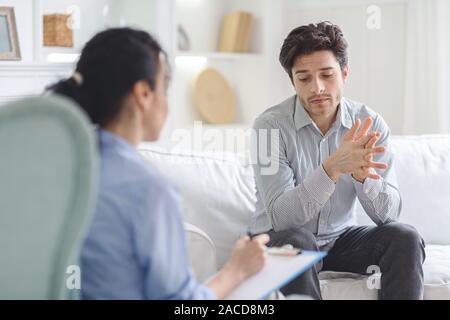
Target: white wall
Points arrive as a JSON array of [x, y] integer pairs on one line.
[[376, 57], [32, 74], [91, 19], [202, 20], [24, 78], [98, 15]]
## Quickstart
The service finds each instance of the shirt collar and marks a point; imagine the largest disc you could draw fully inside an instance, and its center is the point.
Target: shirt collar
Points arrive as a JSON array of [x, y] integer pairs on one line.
[[302, 118], [346, 119], [107, 139]]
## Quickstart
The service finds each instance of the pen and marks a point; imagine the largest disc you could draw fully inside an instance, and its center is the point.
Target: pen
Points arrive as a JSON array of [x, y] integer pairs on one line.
[[286, 250]]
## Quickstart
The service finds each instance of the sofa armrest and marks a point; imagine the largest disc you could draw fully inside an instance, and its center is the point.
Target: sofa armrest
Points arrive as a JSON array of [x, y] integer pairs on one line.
[[202, 252]]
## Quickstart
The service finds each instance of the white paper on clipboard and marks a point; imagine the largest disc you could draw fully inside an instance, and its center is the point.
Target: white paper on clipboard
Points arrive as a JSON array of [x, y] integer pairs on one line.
[[278, 271]]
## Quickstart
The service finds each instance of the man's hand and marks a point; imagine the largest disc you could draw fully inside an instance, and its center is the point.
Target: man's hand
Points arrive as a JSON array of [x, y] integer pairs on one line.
[[363, 173], [355, 153]]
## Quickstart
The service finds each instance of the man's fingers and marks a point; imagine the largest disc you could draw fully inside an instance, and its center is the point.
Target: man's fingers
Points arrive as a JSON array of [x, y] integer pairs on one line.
[[364, 129], [376, 165], [374, 150], [351, 133], [374, 176], [373, 140], [363, 141]]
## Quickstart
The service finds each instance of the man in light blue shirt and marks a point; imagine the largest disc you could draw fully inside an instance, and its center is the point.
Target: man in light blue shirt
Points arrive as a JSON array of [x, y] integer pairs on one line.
[[322, 160], [319, 204]]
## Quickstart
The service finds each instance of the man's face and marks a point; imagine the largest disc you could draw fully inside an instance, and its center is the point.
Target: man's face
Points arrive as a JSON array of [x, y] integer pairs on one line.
[[319, 82]]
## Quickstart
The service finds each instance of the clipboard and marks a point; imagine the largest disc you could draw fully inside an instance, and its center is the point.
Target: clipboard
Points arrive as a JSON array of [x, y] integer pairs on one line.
[[278, 271]]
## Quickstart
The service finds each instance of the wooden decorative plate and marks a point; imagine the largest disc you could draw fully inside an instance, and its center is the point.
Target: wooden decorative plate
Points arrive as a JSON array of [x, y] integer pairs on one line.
[[214, 98]]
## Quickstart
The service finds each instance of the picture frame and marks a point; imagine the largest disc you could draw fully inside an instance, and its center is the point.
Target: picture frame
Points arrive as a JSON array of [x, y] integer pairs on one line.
[[9, 40]]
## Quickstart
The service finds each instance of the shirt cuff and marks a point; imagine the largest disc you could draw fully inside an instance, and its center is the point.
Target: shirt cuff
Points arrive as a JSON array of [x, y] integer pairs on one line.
[[371, 188], [209, 294], [319, 185]]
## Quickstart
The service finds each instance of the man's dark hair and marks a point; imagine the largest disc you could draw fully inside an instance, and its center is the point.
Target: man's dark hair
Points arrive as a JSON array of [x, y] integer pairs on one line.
[[310, 38], [110, 64]]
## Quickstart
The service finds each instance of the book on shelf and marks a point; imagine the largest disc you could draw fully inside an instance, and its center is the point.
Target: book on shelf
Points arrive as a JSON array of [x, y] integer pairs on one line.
[[235, 33]]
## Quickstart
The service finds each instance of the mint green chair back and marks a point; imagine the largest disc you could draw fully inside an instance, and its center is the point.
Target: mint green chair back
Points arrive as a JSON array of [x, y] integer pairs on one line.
[[48, 167]]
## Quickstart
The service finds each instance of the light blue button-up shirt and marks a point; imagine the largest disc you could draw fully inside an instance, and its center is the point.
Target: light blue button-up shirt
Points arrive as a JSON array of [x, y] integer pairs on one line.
[[299, 192], [135, 247]]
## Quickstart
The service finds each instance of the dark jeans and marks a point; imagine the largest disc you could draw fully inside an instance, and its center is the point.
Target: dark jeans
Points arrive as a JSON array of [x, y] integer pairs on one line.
[[395, 248]]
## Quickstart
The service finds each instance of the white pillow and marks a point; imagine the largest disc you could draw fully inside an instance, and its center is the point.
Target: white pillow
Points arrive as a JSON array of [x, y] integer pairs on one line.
[[422, 164]]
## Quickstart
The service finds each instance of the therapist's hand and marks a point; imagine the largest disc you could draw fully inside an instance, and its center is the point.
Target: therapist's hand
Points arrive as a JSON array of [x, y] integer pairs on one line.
[[248, 256]]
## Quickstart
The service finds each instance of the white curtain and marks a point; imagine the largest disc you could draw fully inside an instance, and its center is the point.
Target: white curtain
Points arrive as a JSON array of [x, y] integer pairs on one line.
[[427, 86]]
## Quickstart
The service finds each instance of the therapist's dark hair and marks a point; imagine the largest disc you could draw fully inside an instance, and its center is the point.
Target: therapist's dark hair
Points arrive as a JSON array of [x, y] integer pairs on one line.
[[310, 38], [109, 65]]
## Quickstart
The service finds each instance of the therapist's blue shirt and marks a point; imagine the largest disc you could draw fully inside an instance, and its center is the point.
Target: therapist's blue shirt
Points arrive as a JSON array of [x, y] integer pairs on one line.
[[135, 247]]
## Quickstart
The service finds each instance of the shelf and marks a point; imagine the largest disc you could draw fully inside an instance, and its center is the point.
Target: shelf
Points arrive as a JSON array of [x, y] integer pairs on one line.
[[220, 55], [35, 69], [89, 18], [61, 58]]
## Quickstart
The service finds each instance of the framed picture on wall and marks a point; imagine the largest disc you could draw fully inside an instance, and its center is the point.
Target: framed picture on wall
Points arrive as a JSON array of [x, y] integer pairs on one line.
[[9, 40]]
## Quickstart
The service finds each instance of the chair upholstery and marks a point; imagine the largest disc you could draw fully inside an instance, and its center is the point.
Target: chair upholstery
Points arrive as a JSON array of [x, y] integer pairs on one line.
[[47, 188]]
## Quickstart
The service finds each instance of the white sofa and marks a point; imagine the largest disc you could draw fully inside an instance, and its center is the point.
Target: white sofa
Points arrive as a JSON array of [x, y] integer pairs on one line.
[[219, 196]]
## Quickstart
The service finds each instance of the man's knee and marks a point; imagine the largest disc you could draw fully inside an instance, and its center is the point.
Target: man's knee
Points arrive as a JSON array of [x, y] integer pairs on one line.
[[299, 237], [404, 236]]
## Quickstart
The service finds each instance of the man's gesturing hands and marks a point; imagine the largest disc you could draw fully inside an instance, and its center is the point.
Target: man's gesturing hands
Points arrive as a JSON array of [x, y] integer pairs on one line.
[[355, 154]]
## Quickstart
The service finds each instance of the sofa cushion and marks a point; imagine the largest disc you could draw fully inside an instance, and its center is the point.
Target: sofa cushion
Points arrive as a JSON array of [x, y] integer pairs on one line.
[[218, 192], [350, 286], [422, 164]]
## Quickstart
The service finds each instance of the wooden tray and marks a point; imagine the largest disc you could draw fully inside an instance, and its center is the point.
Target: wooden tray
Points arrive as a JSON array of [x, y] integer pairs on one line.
[[214, 98]]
